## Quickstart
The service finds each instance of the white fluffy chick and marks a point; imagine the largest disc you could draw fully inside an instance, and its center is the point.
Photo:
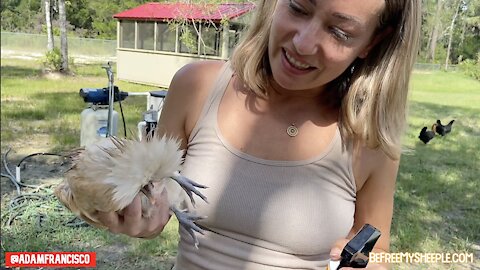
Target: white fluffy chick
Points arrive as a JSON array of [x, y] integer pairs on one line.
[[106, 176]]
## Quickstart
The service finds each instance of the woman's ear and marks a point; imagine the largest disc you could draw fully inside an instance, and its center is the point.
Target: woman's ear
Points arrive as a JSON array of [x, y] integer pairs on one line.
[[376, 39]]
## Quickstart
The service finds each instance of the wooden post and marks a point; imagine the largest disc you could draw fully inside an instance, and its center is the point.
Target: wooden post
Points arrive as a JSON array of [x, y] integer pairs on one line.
[[225, 39]]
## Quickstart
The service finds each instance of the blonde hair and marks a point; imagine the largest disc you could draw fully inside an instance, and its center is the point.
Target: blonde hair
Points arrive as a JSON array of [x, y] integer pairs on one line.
[[372, 91], [250, 58]]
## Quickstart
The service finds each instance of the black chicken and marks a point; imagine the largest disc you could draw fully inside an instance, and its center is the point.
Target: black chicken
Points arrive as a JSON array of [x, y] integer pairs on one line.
[[426, 135], [444, 130]]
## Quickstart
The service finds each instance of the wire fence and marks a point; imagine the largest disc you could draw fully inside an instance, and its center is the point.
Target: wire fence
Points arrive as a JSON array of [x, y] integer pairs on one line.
[[36, 44], [432, 67]]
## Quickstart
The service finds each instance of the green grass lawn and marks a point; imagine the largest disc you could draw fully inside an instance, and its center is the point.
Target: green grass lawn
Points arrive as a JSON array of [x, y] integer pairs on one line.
[[437, 203], [41, 114]]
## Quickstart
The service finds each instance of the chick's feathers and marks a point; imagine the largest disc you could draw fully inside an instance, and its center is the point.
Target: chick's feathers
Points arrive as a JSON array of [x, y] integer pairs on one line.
[[135, 164], [107, 175], [444, 129], [426, 135]]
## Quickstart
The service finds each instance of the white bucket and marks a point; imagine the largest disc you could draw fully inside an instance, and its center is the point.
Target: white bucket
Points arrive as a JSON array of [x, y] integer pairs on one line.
[[94, 124]]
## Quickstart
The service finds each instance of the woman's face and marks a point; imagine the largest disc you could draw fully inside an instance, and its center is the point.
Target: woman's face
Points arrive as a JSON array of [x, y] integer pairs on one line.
[[313, 41]]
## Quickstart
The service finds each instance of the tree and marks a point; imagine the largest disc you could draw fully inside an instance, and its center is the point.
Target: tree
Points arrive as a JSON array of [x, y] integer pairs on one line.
[[80, 16], [48, 20], [469, 46], [433, 38], [452, 25], [21, 15], [62, 16]]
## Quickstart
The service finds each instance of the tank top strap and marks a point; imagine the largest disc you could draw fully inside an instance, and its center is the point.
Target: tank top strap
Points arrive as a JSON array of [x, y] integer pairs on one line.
[[221, 83]]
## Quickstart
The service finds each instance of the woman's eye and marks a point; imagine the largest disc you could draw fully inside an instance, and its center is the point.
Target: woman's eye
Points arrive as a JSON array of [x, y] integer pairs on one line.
[[339, 34], [296, 9]]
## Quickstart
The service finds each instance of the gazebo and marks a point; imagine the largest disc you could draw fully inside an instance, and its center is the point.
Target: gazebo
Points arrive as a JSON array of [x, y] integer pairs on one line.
[[154, 40]]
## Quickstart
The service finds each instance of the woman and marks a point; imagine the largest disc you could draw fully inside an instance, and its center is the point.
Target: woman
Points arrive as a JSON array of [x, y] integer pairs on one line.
[[297, 137]]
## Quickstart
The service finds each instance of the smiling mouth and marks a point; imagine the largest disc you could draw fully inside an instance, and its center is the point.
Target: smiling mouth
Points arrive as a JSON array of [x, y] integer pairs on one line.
[[295, 63]]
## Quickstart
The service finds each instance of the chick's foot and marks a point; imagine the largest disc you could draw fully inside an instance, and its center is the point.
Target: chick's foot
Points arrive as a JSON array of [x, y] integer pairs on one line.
[[187, 221], [189, 186]]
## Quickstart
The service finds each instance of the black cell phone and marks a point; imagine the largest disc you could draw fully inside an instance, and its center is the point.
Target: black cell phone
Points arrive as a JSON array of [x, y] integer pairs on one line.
[[355, 253]]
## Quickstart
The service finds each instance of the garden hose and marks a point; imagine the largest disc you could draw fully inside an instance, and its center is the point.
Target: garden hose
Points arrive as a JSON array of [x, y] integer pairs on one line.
[[21, 201]]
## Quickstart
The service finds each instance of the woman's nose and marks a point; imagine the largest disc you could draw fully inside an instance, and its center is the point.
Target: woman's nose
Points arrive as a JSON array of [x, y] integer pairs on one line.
[[306, 39]]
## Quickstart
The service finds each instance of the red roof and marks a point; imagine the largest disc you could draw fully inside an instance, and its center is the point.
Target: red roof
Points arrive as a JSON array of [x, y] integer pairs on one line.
[[168, 11]]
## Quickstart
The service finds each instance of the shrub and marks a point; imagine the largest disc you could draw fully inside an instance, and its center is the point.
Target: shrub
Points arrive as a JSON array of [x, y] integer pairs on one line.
[[471, 67], [53, 60]]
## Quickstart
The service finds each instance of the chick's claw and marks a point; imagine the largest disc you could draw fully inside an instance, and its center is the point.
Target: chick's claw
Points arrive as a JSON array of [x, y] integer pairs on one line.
[[187, 221], [189, 186]]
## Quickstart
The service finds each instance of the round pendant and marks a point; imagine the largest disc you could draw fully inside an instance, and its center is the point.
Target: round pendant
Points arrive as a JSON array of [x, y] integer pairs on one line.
[[292, 130]]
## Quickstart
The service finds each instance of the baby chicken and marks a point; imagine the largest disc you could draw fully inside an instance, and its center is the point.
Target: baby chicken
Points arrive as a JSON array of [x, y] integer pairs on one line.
[[106, 176]]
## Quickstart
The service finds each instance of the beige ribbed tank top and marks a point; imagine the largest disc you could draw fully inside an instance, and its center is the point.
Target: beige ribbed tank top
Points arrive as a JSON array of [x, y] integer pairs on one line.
[[264, 214]]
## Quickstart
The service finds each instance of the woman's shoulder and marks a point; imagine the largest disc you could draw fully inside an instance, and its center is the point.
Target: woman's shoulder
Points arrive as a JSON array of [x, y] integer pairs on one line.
[[190, 88], [192, 82], [196, 74], [370, 163]]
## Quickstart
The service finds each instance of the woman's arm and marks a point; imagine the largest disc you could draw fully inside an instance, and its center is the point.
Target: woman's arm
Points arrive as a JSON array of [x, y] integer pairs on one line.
[[376, 176], [183, 104], [185, 99]]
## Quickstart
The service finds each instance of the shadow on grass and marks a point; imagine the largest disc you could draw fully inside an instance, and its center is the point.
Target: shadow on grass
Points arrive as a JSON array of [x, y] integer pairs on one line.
[[90, 69], [55, 114], [438, 192], [12, 70], [60, 114], [20, 72], [44, 225], [25, 114], [112, 251], [435, 111]]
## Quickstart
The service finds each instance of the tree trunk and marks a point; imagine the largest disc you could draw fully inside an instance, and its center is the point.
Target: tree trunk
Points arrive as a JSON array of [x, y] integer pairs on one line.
[[452, 25], [48, 21], [435, 31], [63, 35]]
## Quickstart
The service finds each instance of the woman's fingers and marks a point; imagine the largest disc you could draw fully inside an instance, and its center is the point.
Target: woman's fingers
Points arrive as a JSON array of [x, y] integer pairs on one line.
[[110, 220], [161, 212], [131, 222], [159, 216], [337, 249], [132, 217]]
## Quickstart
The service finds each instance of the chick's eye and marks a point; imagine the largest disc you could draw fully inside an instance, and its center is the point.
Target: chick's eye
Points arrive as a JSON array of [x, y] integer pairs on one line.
[[339, 34], [296, 8]]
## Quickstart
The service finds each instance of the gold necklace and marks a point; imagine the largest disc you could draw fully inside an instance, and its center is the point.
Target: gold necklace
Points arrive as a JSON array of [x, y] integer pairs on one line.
[[292, 130]]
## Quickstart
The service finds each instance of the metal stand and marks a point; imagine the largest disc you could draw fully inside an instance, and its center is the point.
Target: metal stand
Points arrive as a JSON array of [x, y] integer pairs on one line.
[[111, 99]]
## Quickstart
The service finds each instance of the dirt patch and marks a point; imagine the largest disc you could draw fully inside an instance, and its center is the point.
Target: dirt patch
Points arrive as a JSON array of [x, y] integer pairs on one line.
[[54, 75], [43, 171], [21, 148], [80, 59], [37, 169]]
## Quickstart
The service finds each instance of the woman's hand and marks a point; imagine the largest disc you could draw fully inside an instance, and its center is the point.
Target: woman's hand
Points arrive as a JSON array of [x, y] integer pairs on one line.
[[337, 250], [131, 222]]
